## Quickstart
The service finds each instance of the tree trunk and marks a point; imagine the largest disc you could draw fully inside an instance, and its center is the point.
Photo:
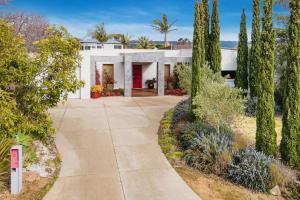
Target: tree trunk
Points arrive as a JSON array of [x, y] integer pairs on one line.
[[166, 42]]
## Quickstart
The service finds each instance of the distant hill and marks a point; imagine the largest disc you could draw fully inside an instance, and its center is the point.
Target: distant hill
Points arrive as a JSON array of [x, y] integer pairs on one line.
[[224, 44]]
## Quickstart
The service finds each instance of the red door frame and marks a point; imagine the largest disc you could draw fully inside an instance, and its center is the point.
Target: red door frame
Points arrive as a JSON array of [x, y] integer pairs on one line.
[[137, 77]]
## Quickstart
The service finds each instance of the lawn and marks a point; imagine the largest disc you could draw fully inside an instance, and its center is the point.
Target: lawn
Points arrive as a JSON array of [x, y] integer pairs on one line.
[[247, 127]]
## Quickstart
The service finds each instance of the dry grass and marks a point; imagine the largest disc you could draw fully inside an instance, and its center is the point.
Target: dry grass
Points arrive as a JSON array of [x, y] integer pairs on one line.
[[247, 127], [211, 187]]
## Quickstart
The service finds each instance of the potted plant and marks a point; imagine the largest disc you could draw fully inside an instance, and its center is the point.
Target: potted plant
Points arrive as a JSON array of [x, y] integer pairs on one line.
[[150, 83], [109, 81], [170, 82], [96, 91]]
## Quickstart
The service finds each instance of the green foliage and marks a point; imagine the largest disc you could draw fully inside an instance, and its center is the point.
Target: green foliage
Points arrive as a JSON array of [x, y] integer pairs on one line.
[[290, 145], [215, 49], [293, 191], [167, 139], [198, 59], [29, 150], [254, 57], [241, 80], [206, 29], [100, 33], [252, 170], [184, 75], [145, 43], [217, 103], [250, 106], [181, 113], [266, 137], [5, 145], [206, 148], [30, 85]]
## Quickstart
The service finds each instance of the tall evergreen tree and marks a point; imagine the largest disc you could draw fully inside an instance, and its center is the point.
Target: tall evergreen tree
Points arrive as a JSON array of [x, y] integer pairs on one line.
[[241, 80], [290, 144], [215, 49], [198, 49], [254, 57], [206, 29], [265, 132]]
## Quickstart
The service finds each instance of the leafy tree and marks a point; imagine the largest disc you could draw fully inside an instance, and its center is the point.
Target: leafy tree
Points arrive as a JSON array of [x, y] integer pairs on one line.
[[254, 57], [198, 50], [99, 33], [145, 43], [215, 49], [241, 80], [290, 144], [217, 103], [164, 27], [206, 31], [30, 85], [265, 133]]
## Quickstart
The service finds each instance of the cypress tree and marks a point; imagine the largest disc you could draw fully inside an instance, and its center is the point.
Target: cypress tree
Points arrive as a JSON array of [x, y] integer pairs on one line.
[[198, 49], [265, 132], [215, 49], [290, 144], [206, 29], [254, 57], [241, 80]]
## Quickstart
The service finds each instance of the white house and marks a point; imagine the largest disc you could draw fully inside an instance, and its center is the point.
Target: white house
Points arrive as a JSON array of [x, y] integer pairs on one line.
[[132, 67], [91, 44]]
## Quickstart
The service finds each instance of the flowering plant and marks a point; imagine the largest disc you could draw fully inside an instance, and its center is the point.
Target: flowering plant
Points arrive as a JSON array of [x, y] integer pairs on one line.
[[97, 88]]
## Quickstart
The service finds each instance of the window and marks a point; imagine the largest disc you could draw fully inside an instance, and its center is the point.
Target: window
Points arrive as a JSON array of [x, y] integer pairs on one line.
[[117, 46], [87, 47], [99, 47]]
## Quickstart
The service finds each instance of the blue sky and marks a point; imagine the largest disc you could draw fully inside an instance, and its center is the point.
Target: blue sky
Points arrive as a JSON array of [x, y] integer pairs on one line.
[[132, 16]]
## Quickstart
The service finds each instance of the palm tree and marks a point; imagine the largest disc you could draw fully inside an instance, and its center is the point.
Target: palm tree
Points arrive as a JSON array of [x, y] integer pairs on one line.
[[99, 33], [164, 27], [125, 40], [144, 43]]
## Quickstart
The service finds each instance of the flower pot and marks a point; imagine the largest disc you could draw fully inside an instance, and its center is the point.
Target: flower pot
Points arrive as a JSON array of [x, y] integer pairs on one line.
[[110, 87], [150, 85], [95, 95]]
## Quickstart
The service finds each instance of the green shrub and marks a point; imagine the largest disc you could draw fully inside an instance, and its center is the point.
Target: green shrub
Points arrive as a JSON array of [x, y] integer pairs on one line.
[[292, 191], [167, 140], [216, 103], [5, 145], [184, 74], [210, 150], [181, 112], [252, 170]]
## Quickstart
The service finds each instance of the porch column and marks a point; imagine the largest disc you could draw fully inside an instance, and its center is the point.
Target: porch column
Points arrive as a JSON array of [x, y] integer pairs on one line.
[[161, 78], [128, 76]]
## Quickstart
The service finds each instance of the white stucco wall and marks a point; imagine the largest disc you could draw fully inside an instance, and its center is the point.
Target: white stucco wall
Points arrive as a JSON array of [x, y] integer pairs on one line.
[[149, 70]]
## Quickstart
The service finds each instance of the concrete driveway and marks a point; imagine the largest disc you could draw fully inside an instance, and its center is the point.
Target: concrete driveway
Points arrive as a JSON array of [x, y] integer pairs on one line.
[[110, 151]]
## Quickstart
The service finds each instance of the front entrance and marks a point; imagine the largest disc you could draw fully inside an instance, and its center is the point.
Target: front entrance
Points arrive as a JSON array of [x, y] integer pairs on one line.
[[137, 76]]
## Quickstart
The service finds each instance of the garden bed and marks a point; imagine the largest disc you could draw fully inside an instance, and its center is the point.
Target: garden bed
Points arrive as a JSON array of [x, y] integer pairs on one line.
[[206, 184]]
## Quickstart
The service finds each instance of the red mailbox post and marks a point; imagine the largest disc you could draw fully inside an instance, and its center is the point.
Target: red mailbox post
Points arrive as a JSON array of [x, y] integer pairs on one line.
[[16, 169]]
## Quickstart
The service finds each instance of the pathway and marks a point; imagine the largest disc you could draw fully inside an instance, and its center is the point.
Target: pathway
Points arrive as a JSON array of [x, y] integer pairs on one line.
[[110, 151]]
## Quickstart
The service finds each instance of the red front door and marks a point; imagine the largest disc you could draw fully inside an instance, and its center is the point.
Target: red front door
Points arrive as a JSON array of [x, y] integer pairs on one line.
[[137, 76]]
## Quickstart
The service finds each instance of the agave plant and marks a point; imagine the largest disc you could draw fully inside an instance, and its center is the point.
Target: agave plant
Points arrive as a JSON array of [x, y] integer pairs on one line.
[[5, 145]]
